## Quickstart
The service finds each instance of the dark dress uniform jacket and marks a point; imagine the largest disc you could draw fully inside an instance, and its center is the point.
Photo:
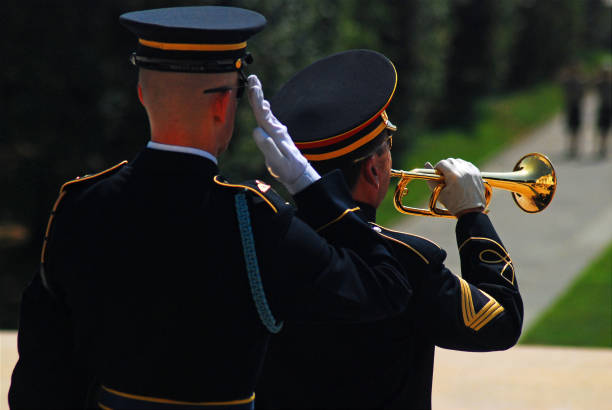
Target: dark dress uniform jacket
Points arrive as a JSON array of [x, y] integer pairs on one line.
[[389, 363], [146, 292]]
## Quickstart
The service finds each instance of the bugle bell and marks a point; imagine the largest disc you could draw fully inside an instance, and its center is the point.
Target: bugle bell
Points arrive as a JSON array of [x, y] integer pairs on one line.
[[532, 183]]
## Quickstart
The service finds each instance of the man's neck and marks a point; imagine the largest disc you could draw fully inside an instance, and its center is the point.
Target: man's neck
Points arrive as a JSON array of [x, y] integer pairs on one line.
[[187, 140], [182, 149]]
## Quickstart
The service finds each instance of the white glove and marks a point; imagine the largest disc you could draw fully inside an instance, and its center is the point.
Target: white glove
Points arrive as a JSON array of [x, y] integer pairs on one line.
[[431, 184], [463, 187], [283, 159]]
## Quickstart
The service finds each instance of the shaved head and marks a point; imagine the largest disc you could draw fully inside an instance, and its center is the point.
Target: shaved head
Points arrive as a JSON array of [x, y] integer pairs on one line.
[[179, 111], [168, 90]]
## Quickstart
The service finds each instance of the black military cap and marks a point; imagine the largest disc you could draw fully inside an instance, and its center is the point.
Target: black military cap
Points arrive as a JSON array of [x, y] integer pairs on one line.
[[193, 39], [334, 109]]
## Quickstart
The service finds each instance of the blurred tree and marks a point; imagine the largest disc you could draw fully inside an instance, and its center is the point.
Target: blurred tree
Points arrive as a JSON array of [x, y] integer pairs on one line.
[[549, 35], [479, 55], [598, 25], [417, 39]]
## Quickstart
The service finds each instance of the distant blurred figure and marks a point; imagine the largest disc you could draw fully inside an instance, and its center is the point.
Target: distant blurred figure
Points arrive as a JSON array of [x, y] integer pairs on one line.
[[604, 113], [573, 83]]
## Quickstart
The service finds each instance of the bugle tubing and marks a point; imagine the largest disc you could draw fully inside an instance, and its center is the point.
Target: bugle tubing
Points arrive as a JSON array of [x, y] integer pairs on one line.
[[532, 182]]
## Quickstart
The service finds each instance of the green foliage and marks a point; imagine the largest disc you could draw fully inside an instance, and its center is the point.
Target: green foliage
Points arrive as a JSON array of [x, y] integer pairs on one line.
[[550, 35], [594, 60], [418, 43], [597, 25], [479, 55], [582, 316]]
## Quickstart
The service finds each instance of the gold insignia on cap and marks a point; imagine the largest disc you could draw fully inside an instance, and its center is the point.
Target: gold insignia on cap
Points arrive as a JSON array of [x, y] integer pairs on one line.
[[388, 123]]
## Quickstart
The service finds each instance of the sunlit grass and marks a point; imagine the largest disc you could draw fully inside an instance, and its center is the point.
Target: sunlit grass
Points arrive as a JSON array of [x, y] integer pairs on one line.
[[582, 316]]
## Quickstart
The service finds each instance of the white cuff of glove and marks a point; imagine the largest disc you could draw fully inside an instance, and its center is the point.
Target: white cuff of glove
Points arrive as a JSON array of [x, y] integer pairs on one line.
[[464, 188], [308, 177]]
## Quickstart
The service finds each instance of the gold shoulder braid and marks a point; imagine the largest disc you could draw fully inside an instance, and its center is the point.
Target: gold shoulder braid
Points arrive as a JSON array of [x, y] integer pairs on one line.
[[494, 255], [63, 191]]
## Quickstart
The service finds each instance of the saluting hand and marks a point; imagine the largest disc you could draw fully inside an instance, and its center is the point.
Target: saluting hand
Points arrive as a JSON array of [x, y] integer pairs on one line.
[[283, 159]]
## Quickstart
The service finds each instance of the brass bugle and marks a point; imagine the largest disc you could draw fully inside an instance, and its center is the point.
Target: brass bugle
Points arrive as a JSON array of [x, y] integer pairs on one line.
[[532, 183]]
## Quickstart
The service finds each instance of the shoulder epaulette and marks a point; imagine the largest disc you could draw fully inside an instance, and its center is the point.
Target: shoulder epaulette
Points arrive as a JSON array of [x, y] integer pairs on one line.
[[89, 179], [85, 179], [425, 249], [260, 189]]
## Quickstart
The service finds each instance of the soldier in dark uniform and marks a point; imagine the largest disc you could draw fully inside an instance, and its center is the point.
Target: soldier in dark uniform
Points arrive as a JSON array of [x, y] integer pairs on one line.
[[603, 86], [160, 282], [574, 86], [335, 112]]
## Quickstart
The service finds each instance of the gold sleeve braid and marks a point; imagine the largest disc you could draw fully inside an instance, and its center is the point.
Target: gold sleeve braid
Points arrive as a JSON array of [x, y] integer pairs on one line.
[[471, 318], [495, 255]]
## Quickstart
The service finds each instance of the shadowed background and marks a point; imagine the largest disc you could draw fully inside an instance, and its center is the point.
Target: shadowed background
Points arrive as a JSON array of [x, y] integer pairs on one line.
[[69, 103]]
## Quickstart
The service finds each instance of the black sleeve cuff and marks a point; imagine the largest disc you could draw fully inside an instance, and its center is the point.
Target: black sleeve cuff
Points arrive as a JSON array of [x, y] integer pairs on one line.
[[474, 224]]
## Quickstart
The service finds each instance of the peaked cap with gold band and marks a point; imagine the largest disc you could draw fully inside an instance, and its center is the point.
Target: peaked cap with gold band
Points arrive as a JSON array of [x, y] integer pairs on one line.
[[334, 109], [205, 39]]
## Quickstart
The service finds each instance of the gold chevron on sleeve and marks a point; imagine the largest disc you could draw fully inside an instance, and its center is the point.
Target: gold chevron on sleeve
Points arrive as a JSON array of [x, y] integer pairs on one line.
[[471, 318]]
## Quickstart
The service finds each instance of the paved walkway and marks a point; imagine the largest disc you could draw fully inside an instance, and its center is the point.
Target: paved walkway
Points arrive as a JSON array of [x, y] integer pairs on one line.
[[524, 378], [8, 358]]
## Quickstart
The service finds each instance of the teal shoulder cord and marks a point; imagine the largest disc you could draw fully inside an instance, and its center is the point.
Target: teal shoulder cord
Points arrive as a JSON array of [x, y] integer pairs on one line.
[[250, 259]]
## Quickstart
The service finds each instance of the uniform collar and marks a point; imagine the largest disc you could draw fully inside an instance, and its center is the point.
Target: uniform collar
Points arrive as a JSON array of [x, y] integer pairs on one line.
[[174, 163], [182, 149], [366, 212]]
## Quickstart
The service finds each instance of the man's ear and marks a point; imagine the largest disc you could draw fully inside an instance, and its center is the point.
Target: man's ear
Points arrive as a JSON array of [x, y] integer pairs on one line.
[[368, 183], [220, 106], [369, 172]]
